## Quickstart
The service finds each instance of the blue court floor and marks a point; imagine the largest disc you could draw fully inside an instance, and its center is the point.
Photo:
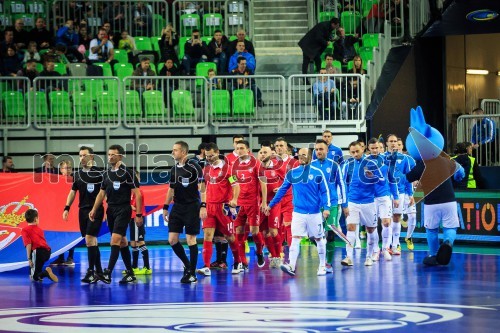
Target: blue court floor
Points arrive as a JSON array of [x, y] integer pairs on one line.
[[397, 296]]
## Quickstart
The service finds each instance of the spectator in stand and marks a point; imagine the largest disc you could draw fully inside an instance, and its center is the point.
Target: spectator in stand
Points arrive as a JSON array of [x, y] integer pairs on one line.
[[169, 69], [357, 66], [343, 47], [483, 139], [31, 53], [77, 10], [352, 100], [68, 37], [7, 165], [41, 35], [127, 43], [84, 37], [21, 36], [324, 96], [213, 82], [143, 20], [240, 35], [7, 41], [244, 82], [195, 51], [12, 62], [144, 69], [241, 52], [169, 40], [111, 34], [101, 49], [50, 85], [115, 15], [315, 41], [30, 72], [472, 179], [217, 48], [329, 64], [48, 165], [374, 22]]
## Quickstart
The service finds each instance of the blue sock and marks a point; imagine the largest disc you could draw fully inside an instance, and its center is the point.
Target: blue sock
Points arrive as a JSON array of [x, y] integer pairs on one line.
[[449, 234], [432, 241]]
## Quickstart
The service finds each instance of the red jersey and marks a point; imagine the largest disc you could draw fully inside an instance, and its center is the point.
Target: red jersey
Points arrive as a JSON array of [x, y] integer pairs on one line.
[[231, 158], [274, 176], [247, 173], [219, 181], [286, 164], [33, 234], [132, 203]]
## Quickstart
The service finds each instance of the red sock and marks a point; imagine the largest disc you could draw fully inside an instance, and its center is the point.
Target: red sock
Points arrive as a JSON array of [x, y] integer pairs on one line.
[[259, 242], [278, 245], [270, 246], [235, 248], [245, 235], [288, 233], [241, 248], [207, 253]]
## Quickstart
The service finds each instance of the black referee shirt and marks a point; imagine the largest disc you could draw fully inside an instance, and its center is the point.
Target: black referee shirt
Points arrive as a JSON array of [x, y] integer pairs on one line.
[[87, 183], [118, 185], [184, 181]]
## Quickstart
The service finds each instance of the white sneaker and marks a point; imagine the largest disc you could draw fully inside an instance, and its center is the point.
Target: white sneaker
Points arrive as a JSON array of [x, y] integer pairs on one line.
[[368, 262], [329, 268], [205, 271], [387, 255], [321, 271], [376, 256], [346, 262], [287, 268]]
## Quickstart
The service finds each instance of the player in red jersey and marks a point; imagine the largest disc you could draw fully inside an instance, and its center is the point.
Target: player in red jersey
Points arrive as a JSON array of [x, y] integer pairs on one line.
[[273, 175], [219, 186], [246, 169], [286, 163], [233, 156]]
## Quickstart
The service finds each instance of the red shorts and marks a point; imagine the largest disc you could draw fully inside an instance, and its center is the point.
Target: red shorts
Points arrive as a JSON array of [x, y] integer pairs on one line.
[[272, 221], [287, 210], [216, 219], [248, 215]]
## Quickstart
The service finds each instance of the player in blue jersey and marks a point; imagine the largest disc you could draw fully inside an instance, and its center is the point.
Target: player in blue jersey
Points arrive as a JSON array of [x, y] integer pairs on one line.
[[310, 194], [361, 175], [334, 152], [409, 207], [336, 184]]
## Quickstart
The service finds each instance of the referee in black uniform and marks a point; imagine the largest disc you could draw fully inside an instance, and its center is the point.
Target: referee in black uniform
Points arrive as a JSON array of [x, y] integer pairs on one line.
[[185, 177], [87, 181], [118, 184]]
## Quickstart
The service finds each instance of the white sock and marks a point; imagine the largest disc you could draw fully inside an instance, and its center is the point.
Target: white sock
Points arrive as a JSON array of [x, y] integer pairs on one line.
[[370, 237], [376, 240], [412, 223], [357, 234], [321, 245], [351, 237], [396, 230], [386, 236], [294, 252]]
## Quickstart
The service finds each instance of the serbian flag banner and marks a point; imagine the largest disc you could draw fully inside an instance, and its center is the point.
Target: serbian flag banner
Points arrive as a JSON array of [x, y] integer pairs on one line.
[[47, 193]]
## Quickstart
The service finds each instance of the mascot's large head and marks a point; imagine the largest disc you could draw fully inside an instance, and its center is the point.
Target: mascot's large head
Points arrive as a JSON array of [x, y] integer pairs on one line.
[[424, 142]]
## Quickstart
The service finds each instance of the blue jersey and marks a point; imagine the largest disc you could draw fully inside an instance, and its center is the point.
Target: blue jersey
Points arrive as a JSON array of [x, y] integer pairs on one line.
[[483, 131], [334, 153], [360, 187], [334, 177], [387, 186], [309, 188], [399, 165]]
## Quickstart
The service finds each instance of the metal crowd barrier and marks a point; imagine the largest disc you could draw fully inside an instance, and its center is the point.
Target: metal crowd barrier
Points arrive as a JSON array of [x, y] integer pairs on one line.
[[473, 129], [490, 106], [15, 102], [420, 14]]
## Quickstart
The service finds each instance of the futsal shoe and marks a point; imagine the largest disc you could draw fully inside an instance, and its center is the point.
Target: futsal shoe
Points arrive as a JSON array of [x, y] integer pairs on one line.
[[90, 277], [128, 278], [70, 262], [397, 251], [287, 269], [57, 262], [368, 262], [321, 271], [51, 275], [376, 256], [443, 255], [260, 260], [387, 255], [237, 268], [205, 271], [329, 268], [409, 244], [214, 265], [222, 265], [244, 268], [185, 277], [346, 262], [106, 276], [273, 263], [430, 261]]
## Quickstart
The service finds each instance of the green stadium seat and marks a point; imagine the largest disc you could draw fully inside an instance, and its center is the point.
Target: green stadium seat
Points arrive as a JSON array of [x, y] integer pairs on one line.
[[206, 39], [106, 68], [60, 68], [107, 106], [143, 43], [121, 56], [83, 105], [153, 104], [38, 103], [182, 42], [189, 22], [220, 103], [326, 16], [212, 22], [182, 103], [15, 110], [202, 70], [370, 40], [366, 6], [74, 85], [111, 86], [132, 105], [60, 105], [5, 20], [122, 70], [350, 21], [14, 6], [156, 45], [93, 87], [243, 102], [36, 7], [366, 53], [158, 24]]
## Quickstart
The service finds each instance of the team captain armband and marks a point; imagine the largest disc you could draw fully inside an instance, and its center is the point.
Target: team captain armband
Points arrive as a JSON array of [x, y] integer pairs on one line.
[[232, 179]]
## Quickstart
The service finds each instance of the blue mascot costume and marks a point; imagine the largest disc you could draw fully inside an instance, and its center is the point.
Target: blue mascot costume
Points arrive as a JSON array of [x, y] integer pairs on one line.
[[434, 170]]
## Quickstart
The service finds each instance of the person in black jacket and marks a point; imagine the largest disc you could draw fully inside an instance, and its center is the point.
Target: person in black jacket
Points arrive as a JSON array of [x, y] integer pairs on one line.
[[169, 40], [217, 49], [315, 42], [195, 51], [472, 179], [343, 48]]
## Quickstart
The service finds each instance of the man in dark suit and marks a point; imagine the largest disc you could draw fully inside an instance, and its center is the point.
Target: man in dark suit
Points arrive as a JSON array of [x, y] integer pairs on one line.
[[315, 42]]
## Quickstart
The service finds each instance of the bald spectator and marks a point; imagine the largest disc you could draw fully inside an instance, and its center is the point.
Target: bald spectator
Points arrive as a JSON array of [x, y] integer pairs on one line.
[[21, 36], [41, 35], [240, 37]]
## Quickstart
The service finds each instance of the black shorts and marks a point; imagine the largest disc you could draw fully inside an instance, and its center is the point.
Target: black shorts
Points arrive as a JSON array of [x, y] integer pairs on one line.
[[118, 219], [136, 233], [185, 216], [87, 227]]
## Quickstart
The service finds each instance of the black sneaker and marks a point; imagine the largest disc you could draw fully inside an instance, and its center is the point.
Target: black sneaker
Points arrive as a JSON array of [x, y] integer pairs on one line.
[[185, 277], [128, 278], [444, 253], [245, 268], [430, 261], [105, 276], [192, 278], [90, 277], [260, 260]]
